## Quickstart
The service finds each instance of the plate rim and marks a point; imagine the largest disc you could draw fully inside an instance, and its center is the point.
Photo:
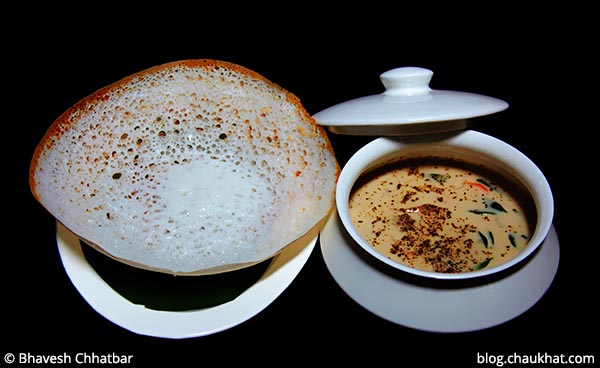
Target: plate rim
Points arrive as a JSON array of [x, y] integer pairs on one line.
[[280, 273]]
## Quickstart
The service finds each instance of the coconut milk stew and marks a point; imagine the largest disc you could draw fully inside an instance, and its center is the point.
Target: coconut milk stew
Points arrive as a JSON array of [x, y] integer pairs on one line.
[[441, 215]]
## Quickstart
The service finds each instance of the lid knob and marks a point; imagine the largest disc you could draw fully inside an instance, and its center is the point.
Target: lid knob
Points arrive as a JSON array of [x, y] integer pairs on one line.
[[406, 81]]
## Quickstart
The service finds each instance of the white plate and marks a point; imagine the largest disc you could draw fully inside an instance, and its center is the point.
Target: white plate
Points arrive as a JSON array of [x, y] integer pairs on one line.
[[282, 270], [430, 305]]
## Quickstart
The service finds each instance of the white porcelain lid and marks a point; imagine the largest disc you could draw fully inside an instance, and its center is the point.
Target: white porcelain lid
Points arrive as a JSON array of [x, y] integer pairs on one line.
[[407, 106]]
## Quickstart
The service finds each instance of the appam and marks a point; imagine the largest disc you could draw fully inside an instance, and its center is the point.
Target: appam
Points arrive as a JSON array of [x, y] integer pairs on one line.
[[190, 167]]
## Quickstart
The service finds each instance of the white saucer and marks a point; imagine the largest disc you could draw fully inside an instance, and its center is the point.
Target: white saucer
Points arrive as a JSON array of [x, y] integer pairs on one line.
[[282, 270], [431, 305]]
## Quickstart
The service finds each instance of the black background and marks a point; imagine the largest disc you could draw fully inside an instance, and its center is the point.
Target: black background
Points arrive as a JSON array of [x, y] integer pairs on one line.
[[536, 61]]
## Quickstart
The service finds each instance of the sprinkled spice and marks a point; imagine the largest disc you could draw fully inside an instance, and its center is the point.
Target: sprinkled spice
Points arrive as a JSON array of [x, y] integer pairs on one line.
[[442, 215]]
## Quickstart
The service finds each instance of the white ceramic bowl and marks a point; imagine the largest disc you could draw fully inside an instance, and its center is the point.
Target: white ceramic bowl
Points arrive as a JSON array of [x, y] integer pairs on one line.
[[469, 146]]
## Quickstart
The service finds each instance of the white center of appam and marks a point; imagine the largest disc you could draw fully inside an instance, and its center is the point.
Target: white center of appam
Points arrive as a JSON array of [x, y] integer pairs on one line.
[[209, 204]]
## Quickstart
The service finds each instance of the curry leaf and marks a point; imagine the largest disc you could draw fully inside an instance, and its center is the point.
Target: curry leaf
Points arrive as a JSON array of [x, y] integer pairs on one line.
[[484, 239], [485, 183], [482, 212], [440, 178], [511, 237], [497, 206], [483, 264]]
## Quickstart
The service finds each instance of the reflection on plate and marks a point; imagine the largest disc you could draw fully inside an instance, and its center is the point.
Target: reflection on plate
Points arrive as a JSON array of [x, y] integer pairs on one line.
[[282, 270], [436, 305]]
